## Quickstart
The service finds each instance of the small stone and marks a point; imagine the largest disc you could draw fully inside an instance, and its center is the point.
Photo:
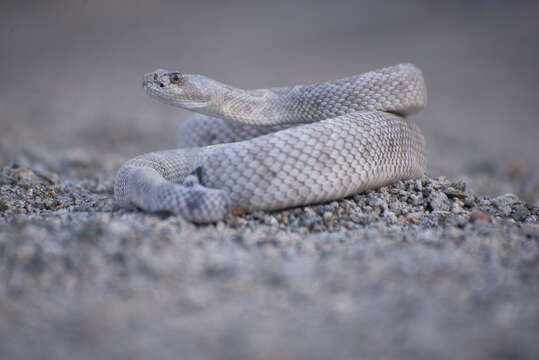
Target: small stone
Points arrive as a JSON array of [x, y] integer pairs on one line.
[[504, 203], [221, 225], [52, 178], [531, 229], [480, 217], [3, 206], [459, 185], [415, 200], [271, 220], [390, 216], [520, 212], [327, 216], [309, 212], [376, 202], [455, 193], [462, 220], [439, 202], [456, 208], [469, 202], [414, 217], [419, 185], [241, 222], [25, 175]]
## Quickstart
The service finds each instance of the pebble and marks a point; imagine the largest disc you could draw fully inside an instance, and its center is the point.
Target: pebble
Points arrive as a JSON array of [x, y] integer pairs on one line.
[[505, 202], [477, 216], [455, 193], [439, 202], [520, 212]]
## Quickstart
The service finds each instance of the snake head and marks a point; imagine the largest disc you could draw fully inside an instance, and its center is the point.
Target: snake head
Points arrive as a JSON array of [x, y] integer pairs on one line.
[[187, 91]]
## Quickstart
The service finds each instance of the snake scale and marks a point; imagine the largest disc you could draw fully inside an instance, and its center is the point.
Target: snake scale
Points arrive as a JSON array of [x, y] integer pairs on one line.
[[268, 149]]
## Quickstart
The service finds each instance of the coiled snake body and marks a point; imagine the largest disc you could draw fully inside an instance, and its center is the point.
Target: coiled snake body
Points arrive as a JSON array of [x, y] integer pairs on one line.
[[270, 149]]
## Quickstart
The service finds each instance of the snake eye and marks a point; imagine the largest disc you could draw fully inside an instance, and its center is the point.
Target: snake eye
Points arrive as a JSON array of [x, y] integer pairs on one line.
[[176, 78]]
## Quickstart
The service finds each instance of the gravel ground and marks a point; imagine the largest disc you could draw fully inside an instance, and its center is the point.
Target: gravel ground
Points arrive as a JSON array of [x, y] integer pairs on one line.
[[424, 269], [420, 269]]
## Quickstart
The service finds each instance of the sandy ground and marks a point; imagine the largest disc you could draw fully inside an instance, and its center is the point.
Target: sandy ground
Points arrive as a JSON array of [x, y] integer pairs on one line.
[[412, 271]]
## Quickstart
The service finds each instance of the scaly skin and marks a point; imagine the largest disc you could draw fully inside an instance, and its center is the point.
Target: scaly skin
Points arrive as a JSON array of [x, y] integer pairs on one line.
[[270, 149]]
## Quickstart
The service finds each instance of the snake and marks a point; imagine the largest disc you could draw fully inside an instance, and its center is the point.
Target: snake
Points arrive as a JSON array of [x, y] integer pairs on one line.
[[276, 148]]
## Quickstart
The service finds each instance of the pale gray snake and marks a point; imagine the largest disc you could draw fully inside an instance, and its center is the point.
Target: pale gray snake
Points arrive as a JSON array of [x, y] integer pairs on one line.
[[276, 148]]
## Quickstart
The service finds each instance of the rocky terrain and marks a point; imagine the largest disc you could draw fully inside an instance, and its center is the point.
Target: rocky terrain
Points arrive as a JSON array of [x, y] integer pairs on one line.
[[418, 269], [431, 268]]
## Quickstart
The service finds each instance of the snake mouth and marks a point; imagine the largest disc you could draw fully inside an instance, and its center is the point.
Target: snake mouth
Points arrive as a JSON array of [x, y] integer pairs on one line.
[[154, 79], [155, 85], [148, 83]]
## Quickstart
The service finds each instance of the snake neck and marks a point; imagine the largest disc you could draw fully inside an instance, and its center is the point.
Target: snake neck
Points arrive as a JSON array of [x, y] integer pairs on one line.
[[398, 89], [267, 107], [253, 107]]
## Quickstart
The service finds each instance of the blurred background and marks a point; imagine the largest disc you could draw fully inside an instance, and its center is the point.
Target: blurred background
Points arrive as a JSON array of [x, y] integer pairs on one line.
[[71, 71]]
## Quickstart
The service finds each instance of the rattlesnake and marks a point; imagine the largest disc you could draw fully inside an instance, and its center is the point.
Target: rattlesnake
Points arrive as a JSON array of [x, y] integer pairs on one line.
[[269, 149]]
